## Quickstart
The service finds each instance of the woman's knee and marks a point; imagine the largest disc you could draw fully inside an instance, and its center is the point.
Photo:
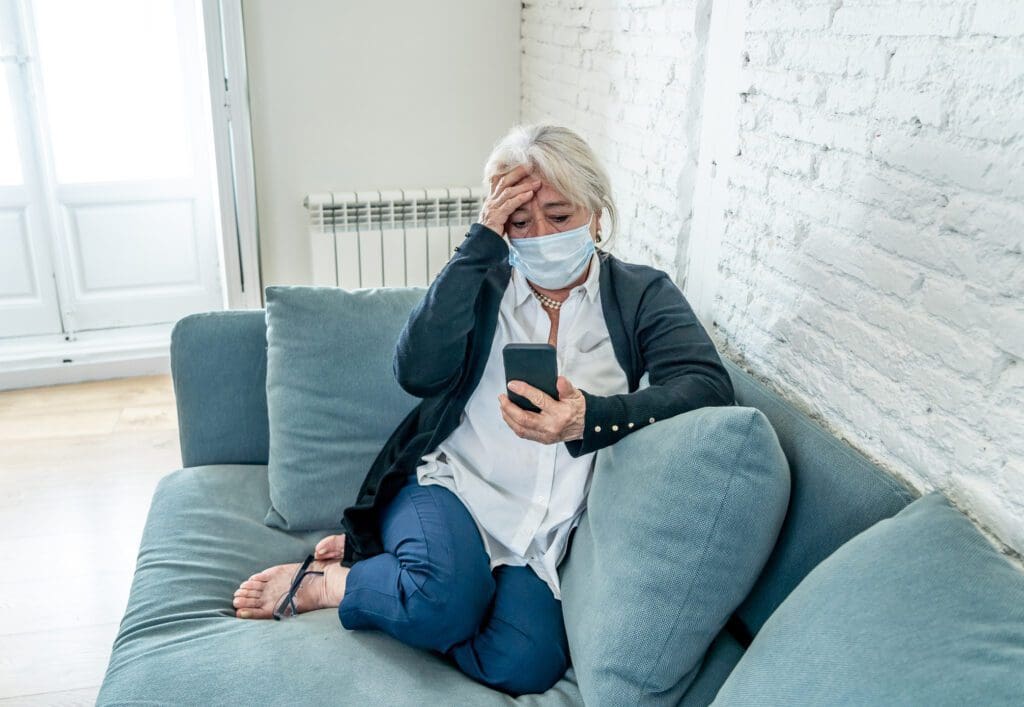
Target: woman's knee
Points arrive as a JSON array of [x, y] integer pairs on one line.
[[444, 569], [445, 613], [530, 669]]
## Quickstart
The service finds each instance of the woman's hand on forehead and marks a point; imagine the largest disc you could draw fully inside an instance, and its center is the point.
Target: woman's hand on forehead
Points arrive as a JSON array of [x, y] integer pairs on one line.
[[512, 175]]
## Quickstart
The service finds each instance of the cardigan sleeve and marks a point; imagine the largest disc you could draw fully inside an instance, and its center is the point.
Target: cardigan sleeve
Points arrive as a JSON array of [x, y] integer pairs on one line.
[[685, 372], [432, 345]]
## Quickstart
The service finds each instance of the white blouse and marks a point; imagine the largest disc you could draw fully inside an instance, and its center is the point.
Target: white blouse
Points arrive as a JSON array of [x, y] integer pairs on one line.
[[526, 497]]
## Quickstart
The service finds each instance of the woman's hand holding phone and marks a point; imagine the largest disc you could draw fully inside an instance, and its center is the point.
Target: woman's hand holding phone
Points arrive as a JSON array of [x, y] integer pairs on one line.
[[558, 420], [513, 189]]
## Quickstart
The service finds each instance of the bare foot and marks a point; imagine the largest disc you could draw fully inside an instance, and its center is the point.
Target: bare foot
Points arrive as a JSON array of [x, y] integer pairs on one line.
[[330, 548], [257, 597]]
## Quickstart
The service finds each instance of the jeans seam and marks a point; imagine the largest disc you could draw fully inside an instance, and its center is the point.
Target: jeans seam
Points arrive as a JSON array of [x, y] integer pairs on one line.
[[447, 529], [367, 612], [513, 627]]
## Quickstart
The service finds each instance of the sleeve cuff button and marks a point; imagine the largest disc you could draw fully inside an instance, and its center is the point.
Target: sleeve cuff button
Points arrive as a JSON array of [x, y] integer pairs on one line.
[[651, 420], [615, 428], [597, 428], [630, 425]]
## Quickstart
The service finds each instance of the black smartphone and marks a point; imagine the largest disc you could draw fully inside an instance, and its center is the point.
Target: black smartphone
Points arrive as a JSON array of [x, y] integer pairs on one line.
[[535, 364]]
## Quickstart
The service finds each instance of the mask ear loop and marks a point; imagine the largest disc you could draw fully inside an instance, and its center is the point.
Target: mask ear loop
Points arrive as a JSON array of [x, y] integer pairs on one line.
[[599, 241]]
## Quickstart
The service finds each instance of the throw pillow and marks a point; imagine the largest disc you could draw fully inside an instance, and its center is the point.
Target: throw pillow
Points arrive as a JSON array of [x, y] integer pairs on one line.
[[681, 517], [918, 609], [332, 397]]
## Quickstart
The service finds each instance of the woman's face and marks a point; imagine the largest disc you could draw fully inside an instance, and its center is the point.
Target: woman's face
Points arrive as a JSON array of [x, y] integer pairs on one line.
[[547, 212]]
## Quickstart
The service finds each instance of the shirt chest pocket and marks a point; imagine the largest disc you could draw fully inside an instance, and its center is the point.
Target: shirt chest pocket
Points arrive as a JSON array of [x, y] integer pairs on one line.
[[590, 341]]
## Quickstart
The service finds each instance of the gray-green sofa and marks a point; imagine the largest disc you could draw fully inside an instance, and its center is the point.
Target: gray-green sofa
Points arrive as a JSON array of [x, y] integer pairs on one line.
[[869, 596]]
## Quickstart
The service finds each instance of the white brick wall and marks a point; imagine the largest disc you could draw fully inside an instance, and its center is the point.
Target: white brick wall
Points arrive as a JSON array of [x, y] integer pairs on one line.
[[620, 74], [869, 253]]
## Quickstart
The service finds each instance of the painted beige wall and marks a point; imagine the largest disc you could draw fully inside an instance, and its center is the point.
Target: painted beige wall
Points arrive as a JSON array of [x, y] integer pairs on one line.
[[379, 95]]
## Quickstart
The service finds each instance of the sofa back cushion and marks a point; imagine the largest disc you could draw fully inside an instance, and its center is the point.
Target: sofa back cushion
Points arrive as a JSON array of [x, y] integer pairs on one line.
[[836, 493], [332, 397], [680, 519], [918, 609]]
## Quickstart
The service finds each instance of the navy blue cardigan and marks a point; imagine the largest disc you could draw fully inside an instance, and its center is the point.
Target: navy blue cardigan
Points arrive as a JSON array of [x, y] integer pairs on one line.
[[444, 346]]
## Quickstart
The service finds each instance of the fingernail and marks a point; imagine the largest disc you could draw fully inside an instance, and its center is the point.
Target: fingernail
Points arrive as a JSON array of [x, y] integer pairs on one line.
[[513, 386], [245, 614]]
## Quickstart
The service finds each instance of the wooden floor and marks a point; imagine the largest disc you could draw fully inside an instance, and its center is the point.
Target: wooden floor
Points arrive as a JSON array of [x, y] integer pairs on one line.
[[78, 466]]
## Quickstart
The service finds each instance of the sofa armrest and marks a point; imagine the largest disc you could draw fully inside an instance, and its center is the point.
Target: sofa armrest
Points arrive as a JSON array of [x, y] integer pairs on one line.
[[219, 370]]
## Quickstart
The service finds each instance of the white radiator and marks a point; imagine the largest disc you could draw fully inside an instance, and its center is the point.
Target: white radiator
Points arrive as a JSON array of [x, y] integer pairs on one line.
[[387, 238]]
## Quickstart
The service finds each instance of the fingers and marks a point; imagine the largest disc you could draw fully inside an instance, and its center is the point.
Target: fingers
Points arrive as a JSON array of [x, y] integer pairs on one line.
[[518, 419], [565, 388], [512, 197], [521, 430], [535, 395], [500, 181], [545, 427], [508, 193], [511, 185]]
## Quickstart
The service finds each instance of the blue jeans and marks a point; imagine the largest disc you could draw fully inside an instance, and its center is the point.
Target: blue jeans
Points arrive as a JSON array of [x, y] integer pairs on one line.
[[433, 588]]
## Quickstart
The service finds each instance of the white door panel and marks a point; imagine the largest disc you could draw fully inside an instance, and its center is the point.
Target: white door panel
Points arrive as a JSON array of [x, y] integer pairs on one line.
[[115, 136], [28, 295], [148, 257], [28, 300]]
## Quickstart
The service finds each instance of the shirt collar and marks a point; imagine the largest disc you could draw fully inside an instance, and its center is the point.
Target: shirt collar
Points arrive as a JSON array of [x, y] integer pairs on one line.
[[590, 285]]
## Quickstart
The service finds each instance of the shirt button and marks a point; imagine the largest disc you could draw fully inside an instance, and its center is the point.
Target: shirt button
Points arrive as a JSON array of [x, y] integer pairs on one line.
[[630, 425], [597, 428], [615, 428], [651, 420], [540, 499]]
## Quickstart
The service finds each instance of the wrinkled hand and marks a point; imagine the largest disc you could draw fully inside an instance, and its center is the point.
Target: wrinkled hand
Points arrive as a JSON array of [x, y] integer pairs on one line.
[[509, 191], [558, 420]]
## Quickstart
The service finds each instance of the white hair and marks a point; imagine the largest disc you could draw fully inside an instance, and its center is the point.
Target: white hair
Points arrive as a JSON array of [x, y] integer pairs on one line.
[[563, 159]]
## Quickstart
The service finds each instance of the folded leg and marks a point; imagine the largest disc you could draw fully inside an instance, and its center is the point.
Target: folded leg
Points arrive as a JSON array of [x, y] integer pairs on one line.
[[433, 584], [521, 646]]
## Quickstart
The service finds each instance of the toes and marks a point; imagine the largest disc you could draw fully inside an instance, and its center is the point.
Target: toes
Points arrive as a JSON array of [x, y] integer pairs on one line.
[[257, 584], [331, 542], [246, 603], [333, 546]]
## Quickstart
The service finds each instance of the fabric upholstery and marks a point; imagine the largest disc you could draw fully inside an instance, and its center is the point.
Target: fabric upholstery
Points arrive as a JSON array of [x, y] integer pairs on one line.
[[836, 493], [681, 517], [332, 397], [219, 362], [219, 369], [918, 609], [180, 643], [718, 663]]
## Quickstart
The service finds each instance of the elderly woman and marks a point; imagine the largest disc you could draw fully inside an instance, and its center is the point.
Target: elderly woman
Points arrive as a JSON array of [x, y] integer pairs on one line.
[[455, 539]]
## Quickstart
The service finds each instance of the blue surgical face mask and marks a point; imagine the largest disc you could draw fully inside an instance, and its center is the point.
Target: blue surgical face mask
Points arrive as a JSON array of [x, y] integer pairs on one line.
[[554, 261]]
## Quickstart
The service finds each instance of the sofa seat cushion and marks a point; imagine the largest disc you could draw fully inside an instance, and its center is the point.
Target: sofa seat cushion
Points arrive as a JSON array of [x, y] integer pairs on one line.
[[180, 643], [918, 609]]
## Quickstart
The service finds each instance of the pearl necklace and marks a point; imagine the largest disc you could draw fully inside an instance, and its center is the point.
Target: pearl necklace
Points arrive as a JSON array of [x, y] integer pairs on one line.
[[545, 300]]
